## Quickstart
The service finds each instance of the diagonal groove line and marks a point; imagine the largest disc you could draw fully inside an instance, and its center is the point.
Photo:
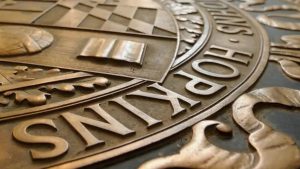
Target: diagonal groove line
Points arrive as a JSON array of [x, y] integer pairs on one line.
[[44, 81]]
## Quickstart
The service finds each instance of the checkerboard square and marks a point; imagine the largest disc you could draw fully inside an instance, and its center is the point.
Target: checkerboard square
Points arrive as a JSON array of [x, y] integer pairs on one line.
[[125, 11], [101, 13], [83, 7], [141, 26], [145, 15], [112, 26], [165, 22], [107, 7], [119, 19], [68, 4]]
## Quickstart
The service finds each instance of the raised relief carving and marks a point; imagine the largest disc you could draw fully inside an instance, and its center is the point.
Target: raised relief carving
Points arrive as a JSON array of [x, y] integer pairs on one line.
[[111, 125], [133, 23], [269, 144], [17, 40], [122, 50], [34, 97], [98, 47], [143, 104], [191, 86], [15, 81], [170, 96], [287, 55], [190, 24], [21, 134], [131, 17], [129, 51], [228, 54], [269, 19], [139, 113], [89, 83]]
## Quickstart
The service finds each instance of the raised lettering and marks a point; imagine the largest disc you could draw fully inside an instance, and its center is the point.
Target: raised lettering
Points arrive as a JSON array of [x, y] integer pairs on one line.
[[149, 120], [170, 96], [229, 54], [196, 66], [60, 145], [231, 21], [217, 12], [191, 85], [234, 30], [112, 125]]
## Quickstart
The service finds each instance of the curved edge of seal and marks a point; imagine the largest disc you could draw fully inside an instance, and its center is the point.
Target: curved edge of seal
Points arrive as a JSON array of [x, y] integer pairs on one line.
[[259, 68]]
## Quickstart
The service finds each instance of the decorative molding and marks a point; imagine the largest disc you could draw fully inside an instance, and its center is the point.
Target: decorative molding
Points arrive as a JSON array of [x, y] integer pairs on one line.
[[268, 19], [269, 144], [287, 55], [36, 85]]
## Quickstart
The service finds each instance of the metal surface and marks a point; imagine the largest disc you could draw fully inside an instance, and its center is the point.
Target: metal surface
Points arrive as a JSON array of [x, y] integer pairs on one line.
[[23, 40], [85, 82], [269, 144]]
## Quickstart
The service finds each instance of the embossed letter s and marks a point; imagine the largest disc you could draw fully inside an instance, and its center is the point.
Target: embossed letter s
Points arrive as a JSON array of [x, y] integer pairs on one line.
[[60, 145]]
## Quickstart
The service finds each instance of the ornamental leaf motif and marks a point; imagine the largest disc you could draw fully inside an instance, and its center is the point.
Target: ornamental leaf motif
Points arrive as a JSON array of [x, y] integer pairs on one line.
[[190, 27], [190, 24], [195, 19], [24, 73], [180, 9], [188, 37], [183, 48], [87, 83], [34, 97]]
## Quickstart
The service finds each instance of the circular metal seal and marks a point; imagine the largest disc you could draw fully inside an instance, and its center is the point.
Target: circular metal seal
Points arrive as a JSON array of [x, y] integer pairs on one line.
[[119, 75]]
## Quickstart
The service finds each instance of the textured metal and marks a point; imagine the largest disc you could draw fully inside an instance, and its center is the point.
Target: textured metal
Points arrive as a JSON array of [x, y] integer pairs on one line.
[[268, 143], [287, 55], [89, 82], [23, 40], [128, 51]]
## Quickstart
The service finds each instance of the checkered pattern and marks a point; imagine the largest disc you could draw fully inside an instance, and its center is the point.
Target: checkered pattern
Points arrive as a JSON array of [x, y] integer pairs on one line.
[[116, 17]]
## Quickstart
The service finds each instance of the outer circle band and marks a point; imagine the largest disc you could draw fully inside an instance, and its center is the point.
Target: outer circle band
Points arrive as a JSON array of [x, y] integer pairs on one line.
[[158, 136]]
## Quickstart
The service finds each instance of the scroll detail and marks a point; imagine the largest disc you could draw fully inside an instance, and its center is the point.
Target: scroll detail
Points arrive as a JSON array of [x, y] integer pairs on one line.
[[269, 144], [269, 19], [287, 55]]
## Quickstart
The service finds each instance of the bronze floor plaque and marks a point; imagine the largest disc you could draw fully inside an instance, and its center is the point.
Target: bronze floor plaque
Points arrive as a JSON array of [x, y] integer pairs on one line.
[[88, 81]]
